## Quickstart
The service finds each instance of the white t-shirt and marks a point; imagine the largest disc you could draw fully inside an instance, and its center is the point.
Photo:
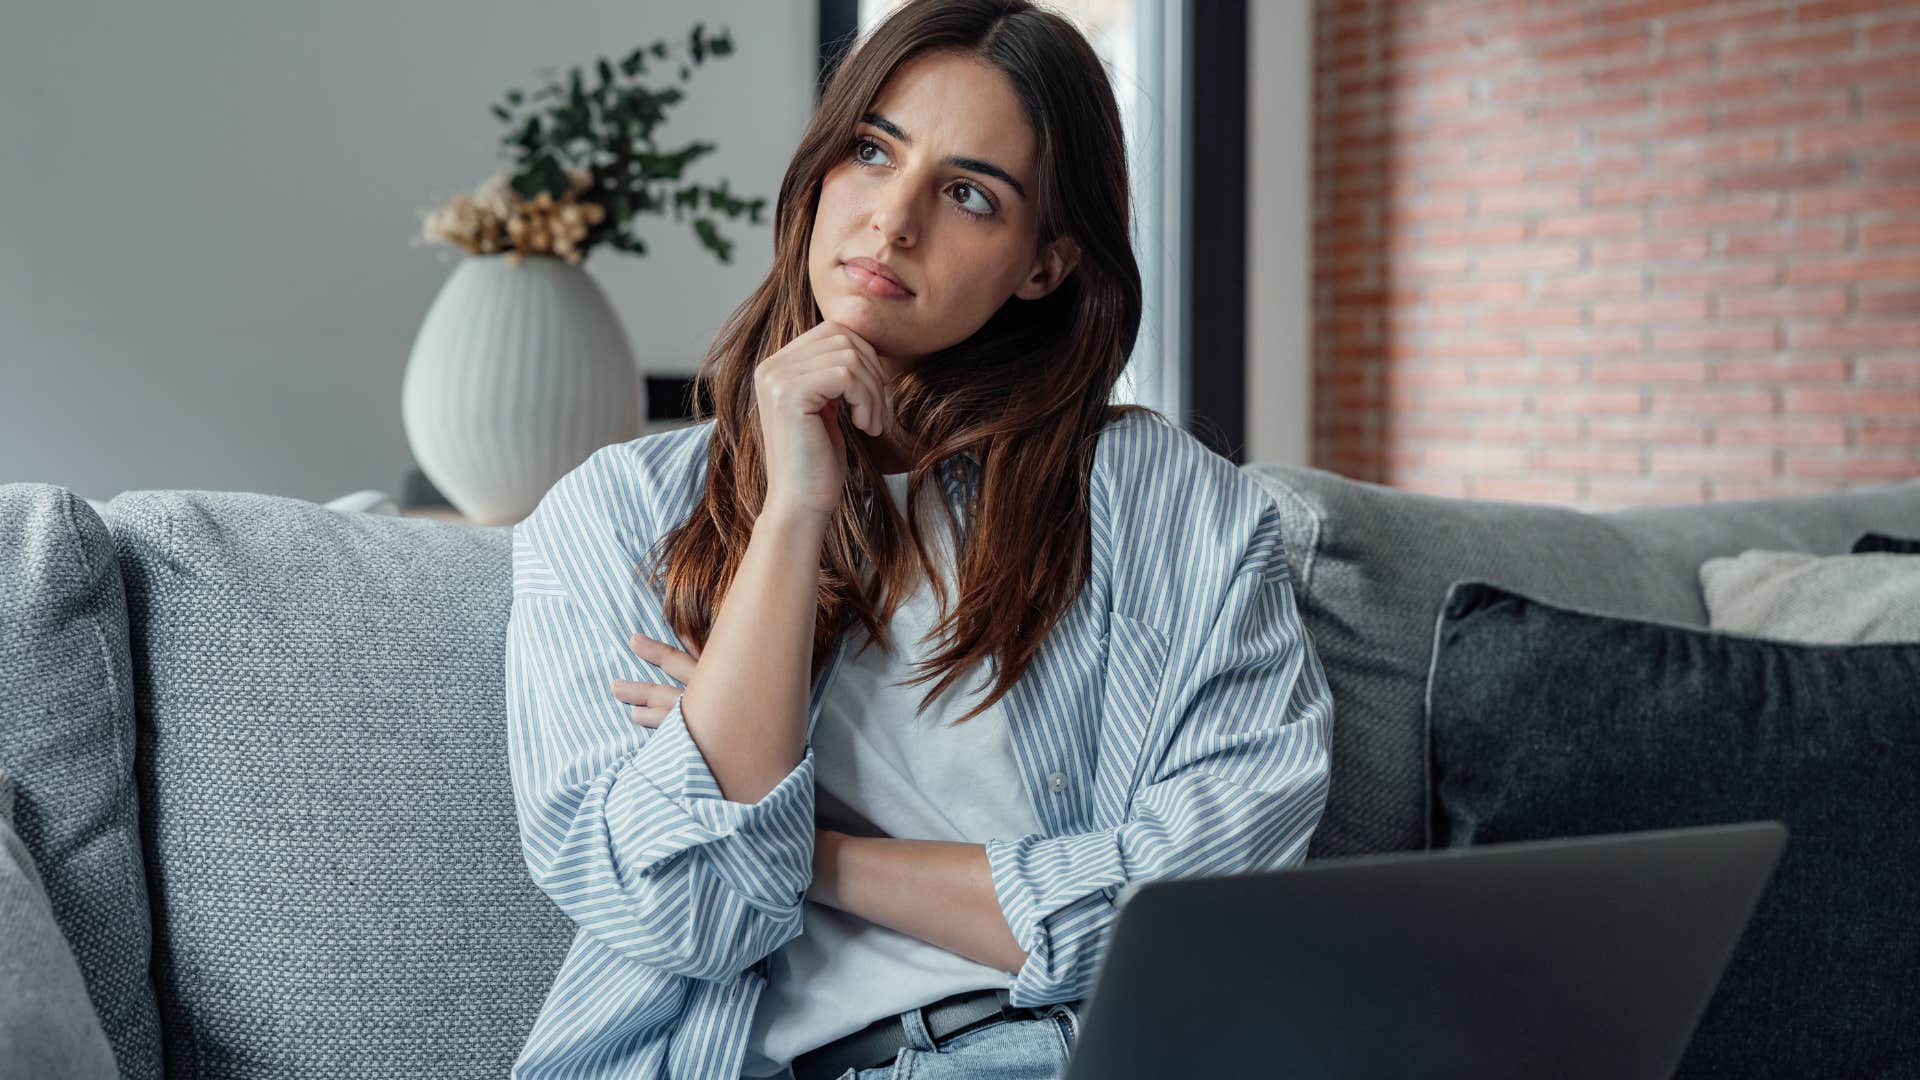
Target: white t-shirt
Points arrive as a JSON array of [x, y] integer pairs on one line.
[[881, 768]]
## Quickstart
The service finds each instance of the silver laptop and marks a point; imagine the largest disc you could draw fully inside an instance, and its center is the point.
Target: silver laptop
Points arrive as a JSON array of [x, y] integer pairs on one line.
[[1586, 957]]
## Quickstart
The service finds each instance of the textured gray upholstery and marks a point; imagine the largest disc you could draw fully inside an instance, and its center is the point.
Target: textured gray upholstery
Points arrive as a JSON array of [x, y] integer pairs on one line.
[[1831, 599], [331, 856], [48, 1027], [66, 742], [332, 845], [1372, 566]]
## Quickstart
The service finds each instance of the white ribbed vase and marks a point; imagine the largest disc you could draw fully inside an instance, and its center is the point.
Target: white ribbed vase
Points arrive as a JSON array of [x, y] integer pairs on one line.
[[518, 373]]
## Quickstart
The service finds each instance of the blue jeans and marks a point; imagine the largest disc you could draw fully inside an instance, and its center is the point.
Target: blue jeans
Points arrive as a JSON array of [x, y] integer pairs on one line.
[[1033, 1049]]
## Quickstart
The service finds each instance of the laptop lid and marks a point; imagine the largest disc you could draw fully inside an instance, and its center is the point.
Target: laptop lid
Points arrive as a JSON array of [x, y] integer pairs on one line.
[[1583, 957]]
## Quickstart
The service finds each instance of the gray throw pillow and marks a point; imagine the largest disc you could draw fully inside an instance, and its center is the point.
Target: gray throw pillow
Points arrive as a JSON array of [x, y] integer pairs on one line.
[[1833, 600], [67, 741], [1554, 722], [47, 1026]]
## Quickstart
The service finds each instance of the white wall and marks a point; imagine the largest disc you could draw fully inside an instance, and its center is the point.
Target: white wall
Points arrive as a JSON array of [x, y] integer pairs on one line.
[[205, 277], [1280, 225]]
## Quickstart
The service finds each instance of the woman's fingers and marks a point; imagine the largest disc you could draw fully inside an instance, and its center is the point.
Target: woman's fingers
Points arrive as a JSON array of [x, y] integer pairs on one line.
[[860, 390], [676, 664], [879, 371], [651, 702], [874, 374], [869, 358]]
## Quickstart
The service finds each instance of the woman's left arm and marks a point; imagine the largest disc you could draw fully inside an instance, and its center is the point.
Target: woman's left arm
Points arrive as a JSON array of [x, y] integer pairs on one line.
[[1235, 780], [939, 891]]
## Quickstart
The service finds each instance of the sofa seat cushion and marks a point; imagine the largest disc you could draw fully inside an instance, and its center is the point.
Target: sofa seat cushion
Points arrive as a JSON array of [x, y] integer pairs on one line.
[[335, 859], [67, 744]]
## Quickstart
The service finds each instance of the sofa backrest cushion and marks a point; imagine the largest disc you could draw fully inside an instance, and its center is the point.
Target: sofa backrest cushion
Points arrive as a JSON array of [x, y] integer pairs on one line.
[[1372, 566], [336, 866], [67, 744]]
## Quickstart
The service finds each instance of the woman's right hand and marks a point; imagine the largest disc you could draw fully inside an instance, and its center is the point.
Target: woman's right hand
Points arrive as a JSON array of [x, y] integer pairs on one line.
[[799, 391]]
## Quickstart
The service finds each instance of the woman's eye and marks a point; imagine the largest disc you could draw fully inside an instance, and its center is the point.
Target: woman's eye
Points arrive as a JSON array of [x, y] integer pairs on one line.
[[860, 144], [986, 204]]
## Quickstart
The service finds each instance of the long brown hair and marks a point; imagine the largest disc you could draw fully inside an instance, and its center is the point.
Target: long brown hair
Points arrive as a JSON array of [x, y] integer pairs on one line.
[[1026, 395]]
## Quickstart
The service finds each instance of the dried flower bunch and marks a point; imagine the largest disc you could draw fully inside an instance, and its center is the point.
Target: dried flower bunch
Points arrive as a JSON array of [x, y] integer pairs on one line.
[[586, 166], [494, 219]]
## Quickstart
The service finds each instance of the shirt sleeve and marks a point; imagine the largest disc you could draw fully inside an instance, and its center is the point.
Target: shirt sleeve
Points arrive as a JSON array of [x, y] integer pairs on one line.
[[1236, 782], [622, 826]]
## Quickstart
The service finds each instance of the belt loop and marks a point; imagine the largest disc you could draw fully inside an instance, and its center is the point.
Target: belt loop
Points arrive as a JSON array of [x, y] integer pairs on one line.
[[919, 1035], [1005, 997]]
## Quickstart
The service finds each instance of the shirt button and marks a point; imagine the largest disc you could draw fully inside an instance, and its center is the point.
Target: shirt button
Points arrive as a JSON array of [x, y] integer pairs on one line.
[[1056, 781]]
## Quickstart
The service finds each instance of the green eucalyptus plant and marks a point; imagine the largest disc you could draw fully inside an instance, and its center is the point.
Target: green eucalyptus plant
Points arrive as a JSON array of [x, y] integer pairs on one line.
[[585, 165]]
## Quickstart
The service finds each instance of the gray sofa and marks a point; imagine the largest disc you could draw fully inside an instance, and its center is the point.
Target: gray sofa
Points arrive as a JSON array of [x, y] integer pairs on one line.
[[255, 752]]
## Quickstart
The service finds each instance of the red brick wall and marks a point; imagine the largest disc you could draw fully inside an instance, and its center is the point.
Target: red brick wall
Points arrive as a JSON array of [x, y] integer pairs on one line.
[[1620, 251]]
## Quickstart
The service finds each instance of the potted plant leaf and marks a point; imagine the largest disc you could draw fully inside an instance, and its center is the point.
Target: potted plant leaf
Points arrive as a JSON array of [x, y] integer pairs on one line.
[[521, 367]]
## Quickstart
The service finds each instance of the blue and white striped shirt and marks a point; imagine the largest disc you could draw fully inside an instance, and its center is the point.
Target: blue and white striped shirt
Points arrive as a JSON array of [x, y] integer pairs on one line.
[[1174, 723]]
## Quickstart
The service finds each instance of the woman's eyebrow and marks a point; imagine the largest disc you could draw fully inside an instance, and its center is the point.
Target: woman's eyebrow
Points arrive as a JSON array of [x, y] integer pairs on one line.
[[985, 168]]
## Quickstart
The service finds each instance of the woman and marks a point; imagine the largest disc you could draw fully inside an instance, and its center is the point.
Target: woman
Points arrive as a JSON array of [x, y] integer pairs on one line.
[[781, 860]]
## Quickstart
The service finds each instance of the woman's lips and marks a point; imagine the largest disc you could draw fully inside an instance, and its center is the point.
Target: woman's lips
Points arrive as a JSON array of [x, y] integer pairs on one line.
[[873, 284]]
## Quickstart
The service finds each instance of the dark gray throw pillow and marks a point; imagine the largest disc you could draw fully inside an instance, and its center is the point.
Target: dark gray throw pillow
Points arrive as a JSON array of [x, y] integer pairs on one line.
[[1550, 722], [1883, 544]]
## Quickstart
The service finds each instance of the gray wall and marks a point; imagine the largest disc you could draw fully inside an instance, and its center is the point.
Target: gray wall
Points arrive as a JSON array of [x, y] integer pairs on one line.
[[205, 277]]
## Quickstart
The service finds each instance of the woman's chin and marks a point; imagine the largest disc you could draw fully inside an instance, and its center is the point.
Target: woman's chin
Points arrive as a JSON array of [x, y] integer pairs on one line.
[[858, 315]]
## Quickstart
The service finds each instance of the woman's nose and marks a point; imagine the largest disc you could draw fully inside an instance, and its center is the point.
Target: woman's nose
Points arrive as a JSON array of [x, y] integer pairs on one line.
[[893, 216]]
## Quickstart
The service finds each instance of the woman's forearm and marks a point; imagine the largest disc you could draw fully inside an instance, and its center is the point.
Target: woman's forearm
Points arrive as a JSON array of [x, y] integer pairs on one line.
[[936, 890], [746, 704]]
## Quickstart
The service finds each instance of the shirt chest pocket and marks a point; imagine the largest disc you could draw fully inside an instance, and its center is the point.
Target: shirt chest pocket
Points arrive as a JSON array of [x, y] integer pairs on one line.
[[1133, 687]]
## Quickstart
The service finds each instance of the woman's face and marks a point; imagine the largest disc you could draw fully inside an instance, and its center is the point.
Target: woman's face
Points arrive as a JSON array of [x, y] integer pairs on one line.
[[920, 190]]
